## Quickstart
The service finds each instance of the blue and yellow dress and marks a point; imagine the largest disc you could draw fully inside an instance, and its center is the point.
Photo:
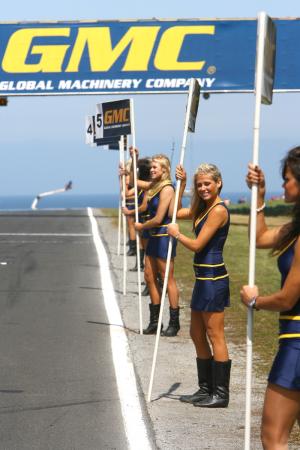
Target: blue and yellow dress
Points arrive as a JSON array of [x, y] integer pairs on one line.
[[129, 201], [285, 370], [143, 216], [158, 243], [211, 289]]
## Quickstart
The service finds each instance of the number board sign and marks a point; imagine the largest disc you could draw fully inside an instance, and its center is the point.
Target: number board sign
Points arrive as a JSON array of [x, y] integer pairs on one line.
[[113, 119]]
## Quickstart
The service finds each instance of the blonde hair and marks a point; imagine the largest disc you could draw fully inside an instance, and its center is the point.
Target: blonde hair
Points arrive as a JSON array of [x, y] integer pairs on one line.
[[128, 165], [164, 162], [197, 204]]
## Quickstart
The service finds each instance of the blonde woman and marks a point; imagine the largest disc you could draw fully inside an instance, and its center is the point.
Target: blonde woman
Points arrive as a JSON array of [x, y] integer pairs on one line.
[[210, 296], [129, 201], [160, 193]]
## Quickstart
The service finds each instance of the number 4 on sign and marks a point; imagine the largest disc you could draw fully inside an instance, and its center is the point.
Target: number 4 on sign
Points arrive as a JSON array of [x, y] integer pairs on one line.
[[89, 130]]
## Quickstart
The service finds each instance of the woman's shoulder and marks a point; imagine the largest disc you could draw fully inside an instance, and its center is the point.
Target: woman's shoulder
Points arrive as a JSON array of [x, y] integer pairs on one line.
[[220, 210], [219, 213], [168, 187]]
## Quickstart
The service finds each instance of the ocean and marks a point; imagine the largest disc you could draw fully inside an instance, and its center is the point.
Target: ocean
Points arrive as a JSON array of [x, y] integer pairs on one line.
[[73, 201]]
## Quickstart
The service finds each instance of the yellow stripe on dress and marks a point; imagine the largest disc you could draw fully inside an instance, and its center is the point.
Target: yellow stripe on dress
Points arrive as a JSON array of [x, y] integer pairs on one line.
[[207, 212], [212, 278], [285, 248], [209, 265], [152, 192], [160, 226], [282, 317], [289, 335]]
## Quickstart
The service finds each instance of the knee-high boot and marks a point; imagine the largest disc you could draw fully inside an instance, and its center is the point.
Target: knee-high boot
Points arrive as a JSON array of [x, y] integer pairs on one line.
[[132, 248], [204, 382], [142, 266], [145, 292], [220, 392], [154, 316], [174, 325]]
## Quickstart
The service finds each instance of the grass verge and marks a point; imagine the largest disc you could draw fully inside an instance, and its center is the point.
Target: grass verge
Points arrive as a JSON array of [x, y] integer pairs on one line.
[[236, 253]]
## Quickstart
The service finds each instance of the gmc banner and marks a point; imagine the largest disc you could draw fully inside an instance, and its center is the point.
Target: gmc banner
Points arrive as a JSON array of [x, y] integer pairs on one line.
[[145, 56]]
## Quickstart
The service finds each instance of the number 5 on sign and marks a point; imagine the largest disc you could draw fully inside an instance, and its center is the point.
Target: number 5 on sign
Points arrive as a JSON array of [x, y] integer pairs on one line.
[[99, 122], [98, 125]]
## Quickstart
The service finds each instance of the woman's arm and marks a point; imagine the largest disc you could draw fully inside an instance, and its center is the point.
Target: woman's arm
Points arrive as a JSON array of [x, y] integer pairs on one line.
[[285, 298], [182, 213], [141, 208], [265, 237], [130, 192], [215, 220], [145, 185], [141, 184]]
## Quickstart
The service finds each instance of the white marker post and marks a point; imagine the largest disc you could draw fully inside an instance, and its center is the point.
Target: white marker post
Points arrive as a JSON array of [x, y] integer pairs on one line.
[[113, 133], [120, 204], [265, 56], [190, 121], [35, 202], [122, 162], [136, 206], [119, 225], [121, 216]]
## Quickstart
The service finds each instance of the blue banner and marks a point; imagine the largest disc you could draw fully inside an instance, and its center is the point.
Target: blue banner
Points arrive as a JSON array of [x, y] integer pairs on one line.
[[150, 56]]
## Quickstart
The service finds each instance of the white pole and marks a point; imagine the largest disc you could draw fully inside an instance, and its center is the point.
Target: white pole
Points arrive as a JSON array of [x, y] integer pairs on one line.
[[163, 296], [138, 258], [120, 212], [252, 245], [124, 217], [119, 229]]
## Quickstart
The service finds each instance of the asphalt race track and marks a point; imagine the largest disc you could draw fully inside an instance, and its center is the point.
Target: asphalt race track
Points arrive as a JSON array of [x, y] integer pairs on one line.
[[57, 380]]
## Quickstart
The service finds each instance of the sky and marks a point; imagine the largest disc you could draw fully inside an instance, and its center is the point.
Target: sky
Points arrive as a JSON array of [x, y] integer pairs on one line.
[[42, 138]]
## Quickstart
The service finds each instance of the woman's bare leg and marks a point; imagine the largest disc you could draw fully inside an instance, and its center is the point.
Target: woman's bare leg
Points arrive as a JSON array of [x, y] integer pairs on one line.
[[214, 325], [281, 410], [198, 335], [150, 275], [131, 229], [173, 293]]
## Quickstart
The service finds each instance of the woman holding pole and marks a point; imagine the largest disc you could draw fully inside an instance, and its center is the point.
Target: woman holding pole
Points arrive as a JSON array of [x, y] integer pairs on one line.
[[282, 398], [129, 196], [143, 167], [160, 193], [210, 296]]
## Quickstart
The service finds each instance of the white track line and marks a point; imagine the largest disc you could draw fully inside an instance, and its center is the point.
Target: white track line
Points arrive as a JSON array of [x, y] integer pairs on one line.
[[48, 234], [131, 408]]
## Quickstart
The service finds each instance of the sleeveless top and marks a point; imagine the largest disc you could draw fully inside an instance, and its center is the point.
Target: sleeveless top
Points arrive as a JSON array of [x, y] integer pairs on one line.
[[143, 216], [130, 201], [289, 321], [208, 263], [153, 202]]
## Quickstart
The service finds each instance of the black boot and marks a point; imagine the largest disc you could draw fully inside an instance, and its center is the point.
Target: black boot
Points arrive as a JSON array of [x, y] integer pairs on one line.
[[134, 269], [145, 292], [142, 257], [220, 393], [204, 382], [174, 325], [154, 315], [132, 248]]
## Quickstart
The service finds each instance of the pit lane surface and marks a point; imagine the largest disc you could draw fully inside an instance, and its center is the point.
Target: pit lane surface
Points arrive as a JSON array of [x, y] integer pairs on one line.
[[57, 380]]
